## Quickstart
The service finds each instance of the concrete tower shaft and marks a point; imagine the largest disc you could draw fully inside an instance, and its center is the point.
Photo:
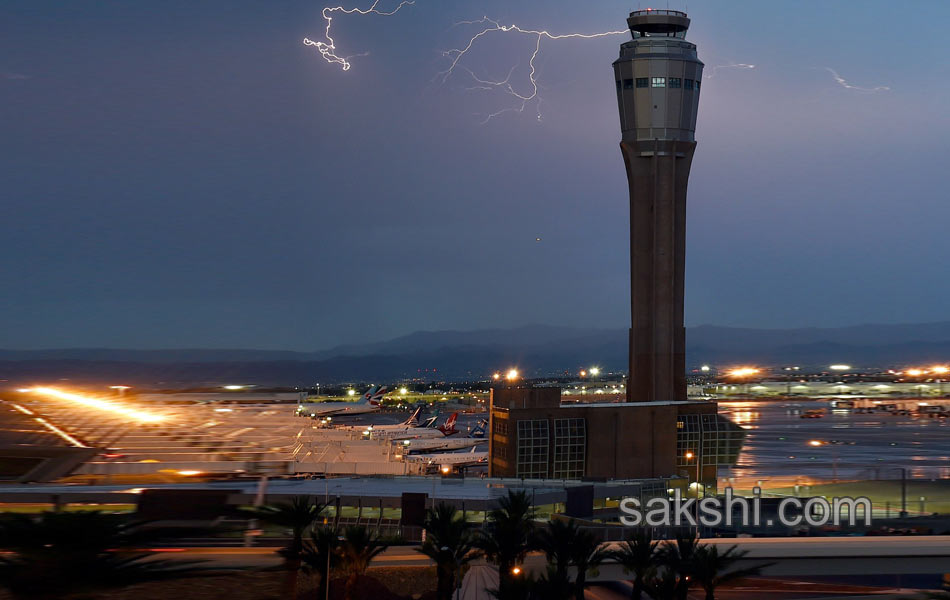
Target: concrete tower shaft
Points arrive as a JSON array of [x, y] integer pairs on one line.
[[658, 77]]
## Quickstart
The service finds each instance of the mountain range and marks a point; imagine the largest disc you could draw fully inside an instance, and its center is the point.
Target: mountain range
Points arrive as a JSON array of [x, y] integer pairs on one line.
[[459, 355]]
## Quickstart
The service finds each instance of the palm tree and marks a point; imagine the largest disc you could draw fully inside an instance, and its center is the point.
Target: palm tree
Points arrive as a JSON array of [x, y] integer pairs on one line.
[[639, 556], [298, 515], [450, 543], [710, 567], [508, 536], [678, 559], [357, 550], [664, 584], [320, 555], [586, 556], [58, 553]]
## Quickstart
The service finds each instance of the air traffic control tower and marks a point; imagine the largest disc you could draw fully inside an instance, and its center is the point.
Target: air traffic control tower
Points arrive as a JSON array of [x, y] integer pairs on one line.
[[658, 79]]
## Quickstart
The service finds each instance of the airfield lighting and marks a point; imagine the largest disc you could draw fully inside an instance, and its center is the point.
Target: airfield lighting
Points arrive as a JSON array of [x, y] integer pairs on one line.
[[511, 375], [840, 367], [583, 373], [743, 372], [496, 376], [403, 391], [446, 469], [816, 443], [189, 473], [594, 371], [915, 372], [350, 392], [138, 415], [704, 368], [234, 387], [940, 370]]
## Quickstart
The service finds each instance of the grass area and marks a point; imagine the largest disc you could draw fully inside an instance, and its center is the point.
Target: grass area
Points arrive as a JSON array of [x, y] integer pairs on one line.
[[936, 493]]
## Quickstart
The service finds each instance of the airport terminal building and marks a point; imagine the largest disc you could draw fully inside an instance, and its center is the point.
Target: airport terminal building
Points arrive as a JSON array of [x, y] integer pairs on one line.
[[535, 436]]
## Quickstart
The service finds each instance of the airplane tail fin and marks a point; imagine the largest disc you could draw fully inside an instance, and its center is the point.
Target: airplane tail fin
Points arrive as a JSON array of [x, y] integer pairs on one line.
[[449, 427], [479, 431], [413, 420], [373, 396]]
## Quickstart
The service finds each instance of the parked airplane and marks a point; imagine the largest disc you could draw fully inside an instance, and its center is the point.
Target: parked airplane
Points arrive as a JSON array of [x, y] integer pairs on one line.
[[447, 443], [405, 433], [411, 423], [368, 403], [451, 459]]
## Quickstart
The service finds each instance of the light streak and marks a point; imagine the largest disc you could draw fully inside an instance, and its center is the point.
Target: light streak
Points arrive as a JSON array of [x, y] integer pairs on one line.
[[716, 68], [60, 433], [843, 83], [328, 49], [138, 415], [523, 99]]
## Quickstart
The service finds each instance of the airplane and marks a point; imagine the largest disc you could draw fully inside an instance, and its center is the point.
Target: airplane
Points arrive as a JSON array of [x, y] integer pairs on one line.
[[411, 423], [451, 459], [368, 403], [403, 432], [477, 436]]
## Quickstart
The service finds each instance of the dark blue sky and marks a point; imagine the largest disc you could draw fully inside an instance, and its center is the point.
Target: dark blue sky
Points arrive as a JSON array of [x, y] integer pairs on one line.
[[190, 174]]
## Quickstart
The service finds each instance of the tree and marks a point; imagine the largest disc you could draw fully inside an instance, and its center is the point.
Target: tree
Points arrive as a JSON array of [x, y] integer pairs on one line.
[[54, 553], [638, 555], [298, 515], [710, 567], [450, 543], [357, 550], [507, 536], [677, 558], [586, 556], [320, 555]]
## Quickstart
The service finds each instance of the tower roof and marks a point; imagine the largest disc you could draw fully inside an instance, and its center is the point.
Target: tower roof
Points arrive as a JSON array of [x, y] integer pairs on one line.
[[657, 22]]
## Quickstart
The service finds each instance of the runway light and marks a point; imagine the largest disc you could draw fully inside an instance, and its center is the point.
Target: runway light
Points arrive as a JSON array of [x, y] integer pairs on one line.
[[743, 372], [138, 415], [511, 375]]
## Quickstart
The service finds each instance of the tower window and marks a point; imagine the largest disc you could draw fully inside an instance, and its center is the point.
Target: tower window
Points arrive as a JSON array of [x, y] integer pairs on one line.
[[676, 82], [659, 82], [688, 84], [697, 83], [628, 84], [643, 82]]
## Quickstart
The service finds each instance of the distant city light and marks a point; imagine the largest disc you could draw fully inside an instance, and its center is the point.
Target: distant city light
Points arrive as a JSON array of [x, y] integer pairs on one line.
[[940, 370], [120, 387], [840, 367], [704, 368], [496, 376], [743, 372], [511, 375]]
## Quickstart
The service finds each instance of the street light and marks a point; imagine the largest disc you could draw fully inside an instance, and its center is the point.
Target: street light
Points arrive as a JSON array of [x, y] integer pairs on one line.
[[511, 375]]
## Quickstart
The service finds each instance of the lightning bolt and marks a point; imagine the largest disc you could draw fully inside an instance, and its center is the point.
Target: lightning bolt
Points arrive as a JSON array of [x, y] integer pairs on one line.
[[843, 83], [532, 94], [327, 48], [729, 66]]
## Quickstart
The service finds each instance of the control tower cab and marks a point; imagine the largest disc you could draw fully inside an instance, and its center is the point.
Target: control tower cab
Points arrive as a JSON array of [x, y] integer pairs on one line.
[[658, 78]]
